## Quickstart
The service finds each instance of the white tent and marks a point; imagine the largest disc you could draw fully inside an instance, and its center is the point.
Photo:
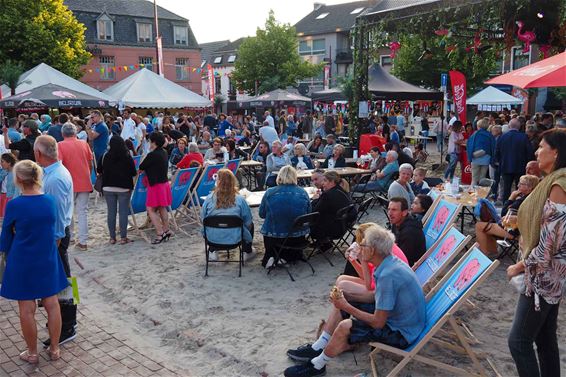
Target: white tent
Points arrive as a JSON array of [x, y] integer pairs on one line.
[[45, 74], [493, 96], [147, 89]]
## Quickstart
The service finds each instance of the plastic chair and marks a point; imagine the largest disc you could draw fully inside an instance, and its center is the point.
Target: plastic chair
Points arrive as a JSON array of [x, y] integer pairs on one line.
[[224, 222]]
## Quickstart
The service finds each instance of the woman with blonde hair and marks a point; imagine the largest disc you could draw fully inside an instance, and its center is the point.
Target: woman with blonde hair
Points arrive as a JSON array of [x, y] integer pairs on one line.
[[34, 269], [225, 200]]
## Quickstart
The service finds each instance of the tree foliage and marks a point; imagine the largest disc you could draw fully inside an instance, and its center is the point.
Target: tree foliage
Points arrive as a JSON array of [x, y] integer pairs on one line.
[[45, 31], [10, 73], [272, 59], [409, 66]]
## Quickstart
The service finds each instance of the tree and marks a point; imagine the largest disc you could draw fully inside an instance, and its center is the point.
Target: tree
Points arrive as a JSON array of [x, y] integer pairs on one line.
[[45, 31], [271, 60], [409, 66], [10, 73]]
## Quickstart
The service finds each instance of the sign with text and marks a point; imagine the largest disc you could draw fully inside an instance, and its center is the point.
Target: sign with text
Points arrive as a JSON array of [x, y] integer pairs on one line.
[[458, 82]]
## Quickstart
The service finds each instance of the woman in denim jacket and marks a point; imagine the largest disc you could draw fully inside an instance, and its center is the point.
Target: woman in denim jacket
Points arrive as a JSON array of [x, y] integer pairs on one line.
[[280, 206], [225, 201]]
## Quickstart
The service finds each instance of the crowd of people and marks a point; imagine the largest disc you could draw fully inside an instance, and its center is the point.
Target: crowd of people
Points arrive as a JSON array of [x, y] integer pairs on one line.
[[49, 163]]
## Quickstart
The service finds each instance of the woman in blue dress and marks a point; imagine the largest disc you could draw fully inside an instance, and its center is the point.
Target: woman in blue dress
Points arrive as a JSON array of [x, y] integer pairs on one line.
[[33, 267]]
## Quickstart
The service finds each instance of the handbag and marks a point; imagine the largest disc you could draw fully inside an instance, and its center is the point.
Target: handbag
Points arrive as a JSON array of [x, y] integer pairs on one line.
[[518, 282], [98, 183]]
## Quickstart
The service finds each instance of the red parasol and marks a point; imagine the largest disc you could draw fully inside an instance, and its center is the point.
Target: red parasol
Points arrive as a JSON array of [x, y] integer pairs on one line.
[[549, 72]]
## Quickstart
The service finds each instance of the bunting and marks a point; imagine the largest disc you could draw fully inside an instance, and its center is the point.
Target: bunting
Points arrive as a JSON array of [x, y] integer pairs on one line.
[[125, 68]]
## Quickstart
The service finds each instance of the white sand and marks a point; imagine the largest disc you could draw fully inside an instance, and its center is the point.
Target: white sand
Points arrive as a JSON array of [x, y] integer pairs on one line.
[[156, 296]]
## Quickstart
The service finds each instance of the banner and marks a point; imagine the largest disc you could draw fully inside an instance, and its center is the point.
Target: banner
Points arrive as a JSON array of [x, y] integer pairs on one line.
[[160, 56], [211, 83], [326, 77], [458, 82], [181, 184]]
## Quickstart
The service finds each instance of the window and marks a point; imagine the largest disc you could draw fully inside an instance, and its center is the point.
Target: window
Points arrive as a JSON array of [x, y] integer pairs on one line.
[[519, 59], [181, 34], [147, 61], [181, 68], [105, 29], [357, 10], [218, 60], [106, 65], [312, 47], [231, 58], [144, 32], [218, 84], [321, 16]]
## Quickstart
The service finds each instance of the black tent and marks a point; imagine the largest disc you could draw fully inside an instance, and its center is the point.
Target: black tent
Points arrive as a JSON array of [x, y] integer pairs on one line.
[[52, 95], [385, 86], [328, 95]]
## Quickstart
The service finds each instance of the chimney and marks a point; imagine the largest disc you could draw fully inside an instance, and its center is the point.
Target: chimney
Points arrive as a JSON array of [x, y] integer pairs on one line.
[[317, 6]]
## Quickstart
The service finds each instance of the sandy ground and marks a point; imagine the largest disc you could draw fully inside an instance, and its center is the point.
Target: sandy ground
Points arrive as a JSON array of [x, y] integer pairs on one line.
[[228, 326]]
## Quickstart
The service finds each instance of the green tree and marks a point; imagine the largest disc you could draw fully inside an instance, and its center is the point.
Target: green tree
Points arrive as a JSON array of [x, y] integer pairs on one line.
[[409, 66], [10, 73], [271, 60], [45, 31]]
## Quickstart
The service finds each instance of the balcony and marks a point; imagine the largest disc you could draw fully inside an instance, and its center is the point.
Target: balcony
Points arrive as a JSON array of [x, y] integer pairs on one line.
[[344, 56]]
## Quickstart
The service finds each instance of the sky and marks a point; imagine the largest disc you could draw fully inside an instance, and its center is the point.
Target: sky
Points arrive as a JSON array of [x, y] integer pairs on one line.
[[231, 19]]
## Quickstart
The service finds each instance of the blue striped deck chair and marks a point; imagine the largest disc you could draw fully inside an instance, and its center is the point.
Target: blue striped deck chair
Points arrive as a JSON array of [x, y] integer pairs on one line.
[[180, 186], [445, 299], [439, 255], [137, 201], [205, 184], [233, 165], [442, 215]]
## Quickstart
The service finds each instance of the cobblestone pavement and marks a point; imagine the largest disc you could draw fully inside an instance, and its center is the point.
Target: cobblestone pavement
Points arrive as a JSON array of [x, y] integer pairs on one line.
[[94, 352]]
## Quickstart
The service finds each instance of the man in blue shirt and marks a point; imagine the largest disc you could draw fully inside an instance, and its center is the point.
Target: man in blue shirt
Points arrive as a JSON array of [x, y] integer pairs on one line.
[[397, 317], [58, 183], [55, 129], [98, 132], [13, 134]]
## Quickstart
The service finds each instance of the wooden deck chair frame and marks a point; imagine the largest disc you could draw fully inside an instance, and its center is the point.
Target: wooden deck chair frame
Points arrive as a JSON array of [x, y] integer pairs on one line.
[[447, 318], [139, 231], [431, 209], [193, 213], [173, 180], [453, 216]]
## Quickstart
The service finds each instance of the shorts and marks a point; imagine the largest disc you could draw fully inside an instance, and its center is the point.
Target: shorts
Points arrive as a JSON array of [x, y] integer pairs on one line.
[[361, 332]]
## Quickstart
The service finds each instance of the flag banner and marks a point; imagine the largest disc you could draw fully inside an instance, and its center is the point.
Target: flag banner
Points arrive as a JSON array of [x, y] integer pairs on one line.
[[458, 82]]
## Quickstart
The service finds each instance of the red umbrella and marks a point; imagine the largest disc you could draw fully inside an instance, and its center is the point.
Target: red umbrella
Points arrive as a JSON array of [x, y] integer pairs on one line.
[[545, 73]]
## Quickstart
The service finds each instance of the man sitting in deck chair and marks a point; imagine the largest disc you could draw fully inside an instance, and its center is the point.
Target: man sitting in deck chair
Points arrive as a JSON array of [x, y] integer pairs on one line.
[[397, 317]]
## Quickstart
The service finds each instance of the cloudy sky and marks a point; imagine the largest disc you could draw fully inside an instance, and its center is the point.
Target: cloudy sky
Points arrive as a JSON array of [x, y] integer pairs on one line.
[[232, 19]]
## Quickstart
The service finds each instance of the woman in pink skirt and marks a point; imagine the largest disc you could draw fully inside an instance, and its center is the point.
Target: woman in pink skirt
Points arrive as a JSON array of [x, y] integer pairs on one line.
[[155, 165]]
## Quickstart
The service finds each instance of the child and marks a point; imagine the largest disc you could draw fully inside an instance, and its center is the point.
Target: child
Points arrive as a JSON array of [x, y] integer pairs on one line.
[[420, 154], [418, 184], [8, 189], [420, 206]]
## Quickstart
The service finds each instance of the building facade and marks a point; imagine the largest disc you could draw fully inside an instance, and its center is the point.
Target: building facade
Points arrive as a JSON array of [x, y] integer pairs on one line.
[[120, 36]]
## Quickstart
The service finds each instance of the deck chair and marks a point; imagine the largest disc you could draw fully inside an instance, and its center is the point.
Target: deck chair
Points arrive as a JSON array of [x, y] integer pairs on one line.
[[233, 165], [442, 216], [301, 222], [203, 187], [180, 186], [137, 202], [224, 222], [443, 301], [440, 254], [137, 161], [435, 197]]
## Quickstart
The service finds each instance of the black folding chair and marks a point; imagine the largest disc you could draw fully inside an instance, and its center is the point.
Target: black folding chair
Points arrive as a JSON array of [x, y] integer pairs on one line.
[[384, 204], [224, 222], [301, 222], [362, 211], [360, 196], [508, 248]]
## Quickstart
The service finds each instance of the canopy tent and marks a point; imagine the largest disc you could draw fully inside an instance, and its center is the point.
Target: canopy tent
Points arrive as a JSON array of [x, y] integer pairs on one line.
[[147, 89], [52, 95], [44, 74], [277, 97], [550, 72], [383, 85], [329, 95], [493, 96]]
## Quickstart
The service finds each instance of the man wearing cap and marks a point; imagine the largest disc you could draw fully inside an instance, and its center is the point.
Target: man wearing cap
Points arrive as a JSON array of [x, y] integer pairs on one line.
[[24, 146]]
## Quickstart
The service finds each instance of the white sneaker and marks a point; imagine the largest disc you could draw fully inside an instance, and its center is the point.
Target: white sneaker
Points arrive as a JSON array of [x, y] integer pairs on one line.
[[213, 256], [249, 256], [270, 262]]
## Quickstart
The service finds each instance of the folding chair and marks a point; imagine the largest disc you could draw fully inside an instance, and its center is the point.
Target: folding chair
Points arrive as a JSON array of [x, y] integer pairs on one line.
[[224, 222], [357, 196], [233, 165], [508, 248], [445, 299], [384, 204], [442, 216], [362, 211], [342, 215], [304, 221]]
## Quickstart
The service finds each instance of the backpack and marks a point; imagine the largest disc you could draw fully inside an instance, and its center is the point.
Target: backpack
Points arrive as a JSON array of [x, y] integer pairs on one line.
[[486, 211]]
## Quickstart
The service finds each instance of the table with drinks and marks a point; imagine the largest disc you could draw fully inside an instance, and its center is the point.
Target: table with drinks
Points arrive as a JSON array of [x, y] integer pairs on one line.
[[467, 196]]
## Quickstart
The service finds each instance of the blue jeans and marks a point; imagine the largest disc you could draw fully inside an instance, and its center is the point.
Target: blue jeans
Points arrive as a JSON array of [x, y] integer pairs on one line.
[[117, 202], [530, 326], [439, 141], [451, 166], [425, 134]]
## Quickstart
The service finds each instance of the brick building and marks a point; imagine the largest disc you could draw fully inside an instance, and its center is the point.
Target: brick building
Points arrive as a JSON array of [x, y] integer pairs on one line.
[[120, 33]]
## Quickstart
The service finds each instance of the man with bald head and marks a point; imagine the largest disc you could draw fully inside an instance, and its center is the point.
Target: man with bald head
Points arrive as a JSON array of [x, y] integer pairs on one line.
[[513, 150]]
